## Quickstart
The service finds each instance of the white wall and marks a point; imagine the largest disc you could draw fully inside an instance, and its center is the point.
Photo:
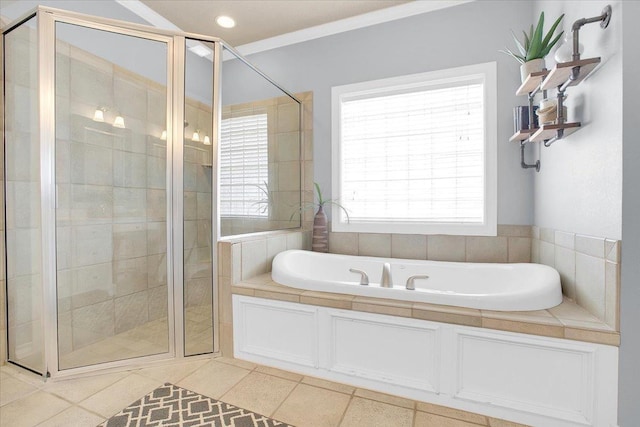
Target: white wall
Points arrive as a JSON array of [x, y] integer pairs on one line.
[[628, 408], [466, 34], [579, 187]]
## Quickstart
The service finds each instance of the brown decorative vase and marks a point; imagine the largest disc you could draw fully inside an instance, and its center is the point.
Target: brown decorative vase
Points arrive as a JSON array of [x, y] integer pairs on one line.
[[320, 240]]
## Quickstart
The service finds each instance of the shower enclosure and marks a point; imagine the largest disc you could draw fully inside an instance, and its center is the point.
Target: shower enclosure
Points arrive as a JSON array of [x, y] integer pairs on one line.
[[128, 151]]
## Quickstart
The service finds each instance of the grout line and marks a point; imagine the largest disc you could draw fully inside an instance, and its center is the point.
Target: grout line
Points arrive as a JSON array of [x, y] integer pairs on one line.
[[283, 400], [344, 413]]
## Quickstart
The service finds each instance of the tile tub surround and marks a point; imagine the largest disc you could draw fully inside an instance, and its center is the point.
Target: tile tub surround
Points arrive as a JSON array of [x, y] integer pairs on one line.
[[244, 257], [512, 244], [589, 269], [303, 401], [567, 320]]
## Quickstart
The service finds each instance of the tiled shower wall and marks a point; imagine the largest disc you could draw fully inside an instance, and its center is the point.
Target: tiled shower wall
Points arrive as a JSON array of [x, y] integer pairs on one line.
[[284, 160], [589, 268], [112, 188]]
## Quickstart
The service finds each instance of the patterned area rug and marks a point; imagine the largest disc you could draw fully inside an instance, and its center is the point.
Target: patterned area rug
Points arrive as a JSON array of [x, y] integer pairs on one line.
[[172, 406]]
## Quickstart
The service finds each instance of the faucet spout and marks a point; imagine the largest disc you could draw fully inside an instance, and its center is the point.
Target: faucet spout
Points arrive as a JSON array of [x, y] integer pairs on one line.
[[386, 281]]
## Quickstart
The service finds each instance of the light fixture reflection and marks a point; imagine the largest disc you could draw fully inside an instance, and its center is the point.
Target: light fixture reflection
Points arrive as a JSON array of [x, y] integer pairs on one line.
[[98, 115], [206, 141], [118, 122], [196, 136], [164, 135]]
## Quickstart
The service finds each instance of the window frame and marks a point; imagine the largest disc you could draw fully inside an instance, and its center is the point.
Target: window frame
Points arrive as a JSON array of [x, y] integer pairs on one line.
[[486, 73]]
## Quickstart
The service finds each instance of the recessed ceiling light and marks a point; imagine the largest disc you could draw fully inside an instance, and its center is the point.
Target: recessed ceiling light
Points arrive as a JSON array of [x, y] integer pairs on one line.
[[225, 21]]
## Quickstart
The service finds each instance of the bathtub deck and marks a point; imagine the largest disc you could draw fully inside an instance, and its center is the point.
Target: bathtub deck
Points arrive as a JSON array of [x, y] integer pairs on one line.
[[567, 320]]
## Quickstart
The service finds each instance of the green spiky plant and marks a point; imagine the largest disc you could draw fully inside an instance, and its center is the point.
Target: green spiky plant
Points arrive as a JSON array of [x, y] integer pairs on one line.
[[535, 46], [320, 203]]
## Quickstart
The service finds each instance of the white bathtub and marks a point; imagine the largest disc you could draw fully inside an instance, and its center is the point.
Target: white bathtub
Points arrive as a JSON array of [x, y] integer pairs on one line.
[[504, 287]]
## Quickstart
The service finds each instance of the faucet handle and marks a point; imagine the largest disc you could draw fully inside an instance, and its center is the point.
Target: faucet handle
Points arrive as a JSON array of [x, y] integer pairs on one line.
[[411, 286], [364, 279]]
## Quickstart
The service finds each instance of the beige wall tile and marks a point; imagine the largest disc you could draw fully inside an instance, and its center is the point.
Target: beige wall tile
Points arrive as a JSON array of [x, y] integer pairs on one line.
[[566, 240], [131, 311], [588, 245], [487, 249], [254, 258], [565, 263], [612, 250], [129, 240], [547, 253], [514, 230], [446, 248], [236, 262], [547, 235], [535, 251], [519, 249], [590, 284], [130, 275], [93, 323], [409, 246], [275, 245], [374, 244], [612, 295], [343, 243]]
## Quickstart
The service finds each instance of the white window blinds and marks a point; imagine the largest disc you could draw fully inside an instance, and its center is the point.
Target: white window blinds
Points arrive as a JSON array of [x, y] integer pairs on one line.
[[417, 155], [244, 173]]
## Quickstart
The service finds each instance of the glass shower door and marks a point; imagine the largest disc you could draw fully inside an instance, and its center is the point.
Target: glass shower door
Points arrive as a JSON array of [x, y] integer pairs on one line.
[[111, 196]]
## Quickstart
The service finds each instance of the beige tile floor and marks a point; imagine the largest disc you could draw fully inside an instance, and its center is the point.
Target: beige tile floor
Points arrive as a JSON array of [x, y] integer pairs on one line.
[[296, 399]]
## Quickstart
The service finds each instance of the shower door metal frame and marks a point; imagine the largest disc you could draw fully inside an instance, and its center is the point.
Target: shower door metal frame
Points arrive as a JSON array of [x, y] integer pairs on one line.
[[175, 42]]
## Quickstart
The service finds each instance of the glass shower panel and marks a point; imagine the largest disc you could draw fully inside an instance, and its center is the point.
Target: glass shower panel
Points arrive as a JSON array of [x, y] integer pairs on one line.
[[23, 219], [198, 219], [111, 184], [260, 173]]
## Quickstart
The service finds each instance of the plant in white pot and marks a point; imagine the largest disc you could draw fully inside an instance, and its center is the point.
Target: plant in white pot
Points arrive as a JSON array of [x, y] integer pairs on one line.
[[535, 47], [320, 236]]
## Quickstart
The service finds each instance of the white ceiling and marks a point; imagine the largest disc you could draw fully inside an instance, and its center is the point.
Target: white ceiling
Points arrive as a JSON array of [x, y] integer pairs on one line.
[[260, 19]]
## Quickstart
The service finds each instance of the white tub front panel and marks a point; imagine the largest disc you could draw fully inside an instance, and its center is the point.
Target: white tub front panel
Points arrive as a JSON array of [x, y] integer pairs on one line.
[[538, 381], [277, 330], [389, 349], [526, 374]]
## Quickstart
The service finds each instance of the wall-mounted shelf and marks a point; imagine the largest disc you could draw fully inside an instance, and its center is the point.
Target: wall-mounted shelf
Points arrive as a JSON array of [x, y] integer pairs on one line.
[[532, 82], [561, 73], [548, 131]]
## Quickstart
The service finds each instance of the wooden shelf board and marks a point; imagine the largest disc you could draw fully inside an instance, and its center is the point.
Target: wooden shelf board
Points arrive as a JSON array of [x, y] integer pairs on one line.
[[532, 82], [562, 71], [522, 135], [549, 131]]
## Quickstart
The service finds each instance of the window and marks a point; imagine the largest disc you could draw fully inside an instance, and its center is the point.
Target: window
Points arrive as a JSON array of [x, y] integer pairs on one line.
[[417, 154], [244, 167]]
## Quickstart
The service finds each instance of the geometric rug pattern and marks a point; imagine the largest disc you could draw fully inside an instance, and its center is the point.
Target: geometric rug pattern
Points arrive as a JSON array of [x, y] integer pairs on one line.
[[173, 406]]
